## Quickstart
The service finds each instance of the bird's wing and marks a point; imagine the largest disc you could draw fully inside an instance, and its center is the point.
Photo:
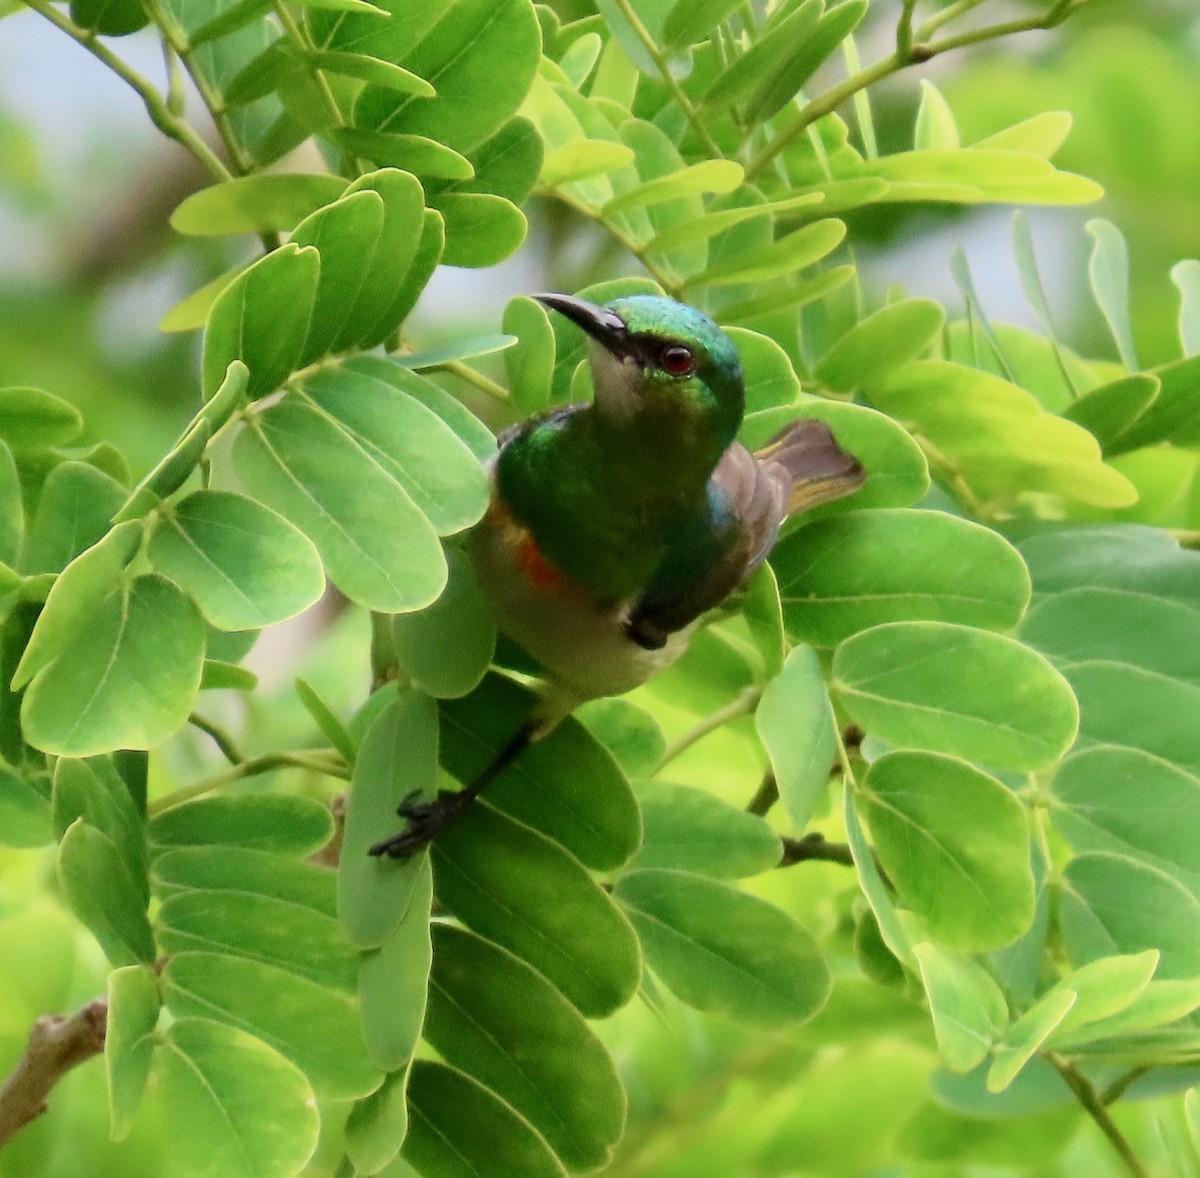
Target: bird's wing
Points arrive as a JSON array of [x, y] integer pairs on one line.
[[800, 468]]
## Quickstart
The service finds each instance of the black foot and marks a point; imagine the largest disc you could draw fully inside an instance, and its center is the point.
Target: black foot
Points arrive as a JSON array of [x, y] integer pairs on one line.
[[426, 820]]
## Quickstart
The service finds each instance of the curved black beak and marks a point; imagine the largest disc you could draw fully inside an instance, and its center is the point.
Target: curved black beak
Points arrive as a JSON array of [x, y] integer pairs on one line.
[[602, 325]]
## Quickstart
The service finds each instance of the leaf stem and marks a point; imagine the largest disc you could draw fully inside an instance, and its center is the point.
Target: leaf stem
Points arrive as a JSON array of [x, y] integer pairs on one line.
[[476, 379], [672, 83], [765, 797], [1117, 1088], [1094, 1107], [323, 761], [917, 51], [742, 704], [220, 737], [814, 847], [156, 106]]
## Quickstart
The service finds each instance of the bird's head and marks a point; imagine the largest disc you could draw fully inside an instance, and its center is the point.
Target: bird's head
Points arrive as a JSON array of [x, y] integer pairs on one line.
[[662, 363]]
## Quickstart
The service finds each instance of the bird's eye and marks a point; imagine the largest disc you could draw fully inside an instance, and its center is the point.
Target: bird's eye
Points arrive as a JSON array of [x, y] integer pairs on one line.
[[678, 361]]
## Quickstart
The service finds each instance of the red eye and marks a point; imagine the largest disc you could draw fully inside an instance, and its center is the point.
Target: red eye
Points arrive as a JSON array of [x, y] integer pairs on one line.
[[678, 361]]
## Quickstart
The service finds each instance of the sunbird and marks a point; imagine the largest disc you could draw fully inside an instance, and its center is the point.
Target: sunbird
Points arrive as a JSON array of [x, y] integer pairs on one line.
[[615, 525]]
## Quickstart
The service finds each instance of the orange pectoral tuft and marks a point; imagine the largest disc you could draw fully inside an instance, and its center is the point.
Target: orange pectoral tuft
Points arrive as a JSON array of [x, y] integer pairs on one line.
[[540, 573]]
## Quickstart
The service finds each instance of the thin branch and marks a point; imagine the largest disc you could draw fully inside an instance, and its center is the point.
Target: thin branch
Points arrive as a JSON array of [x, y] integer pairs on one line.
[[814, 847], [765, 797], [56, 1045], [664, 68], [742, 704], [1118, 1087], [477, 380], [156, 106], [948, 14], [221, 738], [672, 285], [918, 51], [323, 761], [904, 30], [1094, 1107]]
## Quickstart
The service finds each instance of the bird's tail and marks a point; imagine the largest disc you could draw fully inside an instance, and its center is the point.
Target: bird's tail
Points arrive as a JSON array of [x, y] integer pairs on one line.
[[819, 469]]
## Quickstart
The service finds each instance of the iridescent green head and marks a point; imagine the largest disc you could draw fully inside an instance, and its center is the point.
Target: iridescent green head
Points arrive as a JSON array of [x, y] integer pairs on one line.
[[663, 365]]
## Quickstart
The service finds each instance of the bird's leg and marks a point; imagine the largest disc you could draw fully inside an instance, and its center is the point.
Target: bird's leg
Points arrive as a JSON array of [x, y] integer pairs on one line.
[[426, 820]]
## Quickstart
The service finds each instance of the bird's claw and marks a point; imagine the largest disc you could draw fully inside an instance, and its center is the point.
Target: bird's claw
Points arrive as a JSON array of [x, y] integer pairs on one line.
[[426, 820]]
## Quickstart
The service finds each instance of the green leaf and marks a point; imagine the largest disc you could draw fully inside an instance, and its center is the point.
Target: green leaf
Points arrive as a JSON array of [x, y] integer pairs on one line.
[[481, 229], [686, 829], [708, 176], [317, 1029], [936, 128], [1026, 1036], [1111, 411], [688, 21], [31, 418], [458, 1129], [288, 824], [768, 59], [506, 164], [858, 569], [102, 894], [413, 153], [25, 819], [232, 1107], [404, 258], [133, 1008], [110, 18], [467, 348], [481, 57], [128, 681], [192, 311], [346, 236], [722, 950], [955, 842], [878, 895], [500, 1021], [405, 442], [796, 725], [1161, 1002], [447, 648], [263, 318], [779, 259], [378, 1124], [1104, 988], [1186, 276], [628, 731], [245, 566], [371, 69], [327, 721], [695, 230], [1126, 800], [892, 336], [393, 979], [1108, 273], [955, 690], [343, 492], [968, 1008], [74, 509], [94, 791], [255, 204], [1111, 905], [521, 890], [566, 786], [530, 365], [266, 929], [809, 51], [73, 598], [764, 616], [218, 675], [248, 870], [398, 756], [652, 15], [1041, 135], [1031, 283], [583, 159], [12, 509]]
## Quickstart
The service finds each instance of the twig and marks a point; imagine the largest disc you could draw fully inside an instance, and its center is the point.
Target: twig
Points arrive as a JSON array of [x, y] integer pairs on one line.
[[766, 796], [672, 83], [316, 761], [220, 737], [814, 847], [1117, 1088], [477, 380], [156, 106], [741, 705], [918, 51], [1094, 1107], [948, 14], [56, 1045]]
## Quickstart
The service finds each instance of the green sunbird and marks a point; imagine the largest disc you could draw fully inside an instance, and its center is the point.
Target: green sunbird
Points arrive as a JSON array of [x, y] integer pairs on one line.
[[616, 524]]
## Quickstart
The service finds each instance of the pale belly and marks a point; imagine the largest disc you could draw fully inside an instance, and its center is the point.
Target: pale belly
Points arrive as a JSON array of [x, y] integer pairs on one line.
[[582, 647]]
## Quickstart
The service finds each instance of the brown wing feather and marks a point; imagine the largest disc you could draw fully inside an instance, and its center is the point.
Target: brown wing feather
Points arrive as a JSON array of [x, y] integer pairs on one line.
[[801, 467]]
